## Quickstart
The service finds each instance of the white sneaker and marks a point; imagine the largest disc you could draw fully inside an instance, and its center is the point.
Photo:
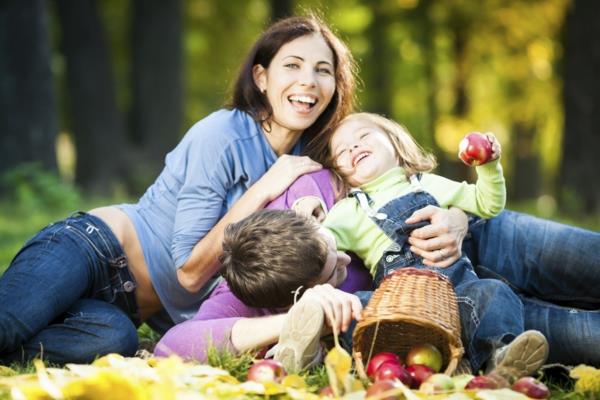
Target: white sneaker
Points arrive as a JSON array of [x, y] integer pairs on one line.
[[299, 342], [521, 357]]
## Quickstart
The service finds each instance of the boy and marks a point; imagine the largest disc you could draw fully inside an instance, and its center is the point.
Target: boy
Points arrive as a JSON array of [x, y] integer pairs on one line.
[[255, 257]]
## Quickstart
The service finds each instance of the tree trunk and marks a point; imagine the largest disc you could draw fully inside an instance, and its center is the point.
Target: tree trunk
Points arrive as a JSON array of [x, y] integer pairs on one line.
[[525, 181], [581, 139], [157, 79], [95, 120], [378, 78], [28, 123]]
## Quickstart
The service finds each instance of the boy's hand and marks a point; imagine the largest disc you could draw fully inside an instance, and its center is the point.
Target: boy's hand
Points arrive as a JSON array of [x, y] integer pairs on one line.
[[340, 308], [310, 206]]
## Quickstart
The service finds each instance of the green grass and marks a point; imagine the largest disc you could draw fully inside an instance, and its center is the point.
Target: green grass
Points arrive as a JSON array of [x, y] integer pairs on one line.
[[18, 223]]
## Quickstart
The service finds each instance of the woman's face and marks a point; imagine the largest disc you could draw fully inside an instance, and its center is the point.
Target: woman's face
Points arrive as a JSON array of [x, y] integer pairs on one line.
[[299, 82], [362, 151]]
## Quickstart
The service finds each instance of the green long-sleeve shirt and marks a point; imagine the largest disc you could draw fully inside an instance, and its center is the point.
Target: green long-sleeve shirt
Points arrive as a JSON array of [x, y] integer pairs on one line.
[[356, 232]]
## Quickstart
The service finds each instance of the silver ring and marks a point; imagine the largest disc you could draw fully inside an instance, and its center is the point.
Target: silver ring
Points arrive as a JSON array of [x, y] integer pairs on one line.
[[442, 254]]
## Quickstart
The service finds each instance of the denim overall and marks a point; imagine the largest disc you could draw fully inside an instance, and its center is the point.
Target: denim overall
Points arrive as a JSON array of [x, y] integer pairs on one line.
[[491, 314], [391, 220], [68, 296]]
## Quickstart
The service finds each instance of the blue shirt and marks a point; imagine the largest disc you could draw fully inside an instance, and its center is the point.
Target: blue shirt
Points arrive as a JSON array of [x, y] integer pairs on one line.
[[217, 160]]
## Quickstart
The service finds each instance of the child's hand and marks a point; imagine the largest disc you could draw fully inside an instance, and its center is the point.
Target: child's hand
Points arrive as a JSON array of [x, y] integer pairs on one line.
[[479, 148], [496, 147], [310, 206]]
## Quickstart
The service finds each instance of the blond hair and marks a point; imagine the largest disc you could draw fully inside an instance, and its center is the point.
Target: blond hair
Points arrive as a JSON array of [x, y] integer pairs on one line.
[[411, 156]]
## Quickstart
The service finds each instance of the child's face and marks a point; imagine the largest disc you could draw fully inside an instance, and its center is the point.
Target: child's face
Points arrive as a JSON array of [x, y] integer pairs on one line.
[[362, 151]]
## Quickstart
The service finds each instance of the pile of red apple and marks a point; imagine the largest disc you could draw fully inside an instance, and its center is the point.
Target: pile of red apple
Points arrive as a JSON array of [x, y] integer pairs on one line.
[[421, 370], [422, 361]]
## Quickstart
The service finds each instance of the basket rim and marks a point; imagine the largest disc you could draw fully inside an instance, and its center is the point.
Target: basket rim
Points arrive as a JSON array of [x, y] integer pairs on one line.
[[425, 323]]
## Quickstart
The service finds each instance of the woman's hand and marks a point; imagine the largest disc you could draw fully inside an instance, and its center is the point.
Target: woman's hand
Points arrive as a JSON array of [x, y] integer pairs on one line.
[[340, 308], [440, 242], [283, 173], [310, 206]]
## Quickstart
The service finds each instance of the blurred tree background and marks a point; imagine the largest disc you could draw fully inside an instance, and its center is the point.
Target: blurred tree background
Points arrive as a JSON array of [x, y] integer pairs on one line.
[[94, 93]]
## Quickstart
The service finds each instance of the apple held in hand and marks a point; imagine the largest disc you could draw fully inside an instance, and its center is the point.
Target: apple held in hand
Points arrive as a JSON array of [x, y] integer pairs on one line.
[[425, 354], [476, 149], [266, 371], [392, 370], [379, 359], [419, 373], [531, 387]]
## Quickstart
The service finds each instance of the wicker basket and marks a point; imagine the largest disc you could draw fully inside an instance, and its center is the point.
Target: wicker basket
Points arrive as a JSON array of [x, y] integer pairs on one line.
[[410, 307]]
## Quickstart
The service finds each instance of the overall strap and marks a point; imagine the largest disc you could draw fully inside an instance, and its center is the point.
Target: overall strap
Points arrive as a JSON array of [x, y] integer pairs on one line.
[[365, 203]]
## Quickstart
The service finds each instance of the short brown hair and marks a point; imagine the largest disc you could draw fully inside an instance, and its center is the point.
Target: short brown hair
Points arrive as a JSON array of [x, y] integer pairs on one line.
[[247, 96], [268, 255]]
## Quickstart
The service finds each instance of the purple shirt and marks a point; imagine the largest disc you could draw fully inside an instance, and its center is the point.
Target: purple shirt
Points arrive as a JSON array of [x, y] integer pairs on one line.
[[216, 316]]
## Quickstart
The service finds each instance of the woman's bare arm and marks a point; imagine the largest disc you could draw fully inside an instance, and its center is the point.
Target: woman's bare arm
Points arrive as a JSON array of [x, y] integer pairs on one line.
[[203, 262]]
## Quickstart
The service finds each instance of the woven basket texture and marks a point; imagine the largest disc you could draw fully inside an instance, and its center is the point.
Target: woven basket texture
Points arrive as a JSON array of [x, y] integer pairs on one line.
[[411, 306]]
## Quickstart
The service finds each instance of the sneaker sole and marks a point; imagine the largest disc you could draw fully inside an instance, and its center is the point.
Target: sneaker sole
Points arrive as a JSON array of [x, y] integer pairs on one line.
[[525, 355], [300, 336]]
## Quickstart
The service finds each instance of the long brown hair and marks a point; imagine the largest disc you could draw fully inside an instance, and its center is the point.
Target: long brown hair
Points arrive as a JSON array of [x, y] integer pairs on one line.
[[246, 96]]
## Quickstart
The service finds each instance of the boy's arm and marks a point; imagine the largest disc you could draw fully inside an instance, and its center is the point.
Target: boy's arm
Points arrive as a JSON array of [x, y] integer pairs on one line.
[[216, 325]]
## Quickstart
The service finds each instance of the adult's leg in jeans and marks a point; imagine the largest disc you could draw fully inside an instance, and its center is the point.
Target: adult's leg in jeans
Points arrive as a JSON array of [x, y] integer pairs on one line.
[[89, 329], [491, 316], [573, 334], [544, 259], [42, 282]]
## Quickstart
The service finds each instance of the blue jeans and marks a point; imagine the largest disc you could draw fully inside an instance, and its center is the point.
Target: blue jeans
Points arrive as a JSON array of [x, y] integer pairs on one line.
[[491, 314], [68, 296], [555, 271]]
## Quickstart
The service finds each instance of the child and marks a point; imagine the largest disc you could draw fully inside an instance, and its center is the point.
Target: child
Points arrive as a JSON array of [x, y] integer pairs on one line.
[[389, 173]]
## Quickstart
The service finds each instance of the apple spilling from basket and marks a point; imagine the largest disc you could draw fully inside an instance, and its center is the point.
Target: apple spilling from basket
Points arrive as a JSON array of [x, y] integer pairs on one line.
[[421, 370]]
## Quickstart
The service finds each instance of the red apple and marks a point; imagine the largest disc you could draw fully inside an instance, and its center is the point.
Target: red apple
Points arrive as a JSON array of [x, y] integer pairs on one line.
[[391, 370], [266, 371], [475, 149], [425, 354], [482, 382], [380, 387], [531, 387], [379, 359], [437, 383], [327, 391], [418, 373]]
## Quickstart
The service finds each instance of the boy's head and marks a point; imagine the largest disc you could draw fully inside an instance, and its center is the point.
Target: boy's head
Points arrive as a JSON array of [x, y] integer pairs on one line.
[[364, 146], [268, 255]]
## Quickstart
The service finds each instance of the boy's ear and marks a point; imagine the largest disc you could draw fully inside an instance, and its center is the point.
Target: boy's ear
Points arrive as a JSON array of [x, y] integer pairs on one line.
[[259, 73]]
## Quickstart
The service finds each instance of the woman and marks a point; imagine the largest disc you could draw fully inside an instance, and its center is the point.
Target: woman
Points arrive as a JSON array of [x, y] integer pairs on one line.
[[93, 277]]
